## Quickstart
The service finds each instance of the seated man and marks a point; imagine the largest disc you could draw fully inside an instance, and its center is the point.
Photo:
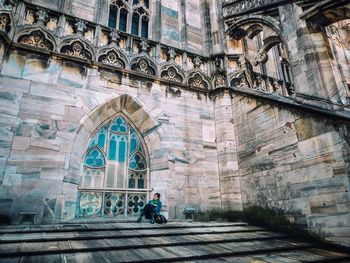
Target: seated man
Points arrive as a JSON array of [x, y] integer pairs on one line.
[[151, 209]]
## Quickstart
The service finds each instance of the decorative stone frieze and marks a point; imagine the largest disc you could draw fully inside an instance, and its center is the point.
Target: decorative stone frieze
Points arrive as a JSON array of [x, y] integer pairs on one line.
[[36, 39], [112, 58], [219, 76], [76, 49], [232, 7], [198, 80], [170, 70], [172, 73], [143, 65]]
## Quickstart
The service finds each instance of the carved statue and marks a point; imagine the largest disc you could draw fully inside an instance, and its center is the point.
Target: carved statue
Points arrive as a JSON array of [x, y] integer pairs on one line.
[[247, 68], [260, 57]]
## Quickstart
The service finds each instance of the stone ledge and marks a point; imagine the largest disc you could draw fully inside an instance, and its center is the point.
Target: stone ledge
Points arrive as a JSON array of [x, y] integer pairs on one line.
[[285, 101]]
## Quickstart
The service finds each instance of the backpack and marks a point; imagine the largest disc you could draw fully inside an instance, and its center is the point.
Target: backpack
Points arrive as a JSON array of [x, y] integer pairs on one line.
[[160, 219]]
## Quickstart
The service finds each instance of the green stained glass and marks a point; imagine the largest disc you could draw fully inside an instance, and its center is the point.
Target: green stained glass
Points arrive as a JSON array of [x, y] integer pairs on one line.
[[94, 158]]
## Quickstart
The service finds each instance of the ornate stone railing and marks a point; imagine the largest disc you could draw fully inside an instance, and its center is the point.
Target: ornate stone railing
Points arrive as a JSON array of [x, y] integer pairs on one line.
[[237, 7], [41, 30]]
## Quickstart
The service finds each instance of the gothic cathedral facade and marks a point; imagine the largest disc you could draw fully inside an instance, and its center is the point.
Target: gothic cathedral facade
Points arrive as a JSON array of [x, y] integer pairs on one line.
[[224, 106]]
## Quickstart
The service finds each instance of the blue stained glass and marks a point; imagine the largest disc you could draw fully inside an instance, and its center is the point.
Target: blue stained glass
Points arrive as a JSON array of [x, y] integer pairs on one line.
[[112, 153], [100, 138], [140, 183], [137, 162], [119, 125], [94, 158], [131, 182], [122, 149], [134, 142]]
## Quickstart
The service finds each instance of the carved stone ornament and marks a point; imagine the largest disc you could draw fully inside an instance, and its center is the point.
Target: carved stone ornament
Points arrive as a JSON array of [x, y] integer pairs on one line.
[[7, 4], [114, 38], [80, 27], [144, 46], [112, 59], [36, 39], [238, 80], [5, 22], [197, 62], [219, 80], [197, 80], [143, 66], [41, 16], [171, 55], [76, 49], [171, 73], [260, 58], [244, 5], [217, 63]]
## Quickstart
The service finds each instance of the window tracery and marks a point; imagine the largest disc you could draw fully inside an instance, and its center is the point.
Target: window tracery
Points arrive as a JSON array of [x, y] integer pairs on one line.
[[131, 16], [115, 161]]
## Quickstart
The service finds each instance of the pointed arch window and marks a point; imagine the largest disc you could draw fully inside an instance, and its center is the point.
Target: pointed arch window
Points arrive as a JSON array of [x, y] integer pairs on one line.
[[144, 27], [132, 16], [113, 13], [135, 24], [123, 20], [115, 171]]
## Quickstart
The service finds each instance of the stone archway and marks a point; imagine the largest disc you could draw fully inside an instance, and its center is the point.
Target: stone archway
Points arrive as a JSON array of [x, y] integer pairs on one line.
[[123, 104]]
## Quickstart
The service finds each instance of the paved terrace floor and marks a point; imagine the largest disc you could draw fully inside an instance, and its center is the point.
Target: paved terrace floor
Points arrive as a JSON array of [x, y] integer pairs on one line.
[[173, 242]]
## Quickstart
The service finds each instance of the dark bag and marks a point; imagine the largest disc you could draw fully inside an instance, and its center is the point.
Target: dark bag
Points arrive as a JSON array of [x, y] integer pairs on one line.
[[160, 219]]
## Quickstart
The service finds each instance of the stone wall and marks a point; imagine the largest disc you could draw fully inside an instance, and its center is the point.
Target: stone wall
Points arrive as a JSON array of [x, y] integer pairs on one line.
[[294, 162], [49, 108]]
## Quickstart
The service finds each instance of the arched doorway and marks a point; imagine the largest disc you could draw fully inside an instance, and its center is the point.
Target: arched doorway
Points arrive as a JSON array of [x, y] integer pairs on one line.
[[115, 173]]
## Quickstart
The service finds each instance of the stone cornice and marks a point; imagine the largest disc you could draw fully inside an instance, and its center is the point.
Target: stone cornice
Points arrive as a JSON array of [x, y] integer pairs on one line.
[[234, 8], [298, 102], [102, 66]]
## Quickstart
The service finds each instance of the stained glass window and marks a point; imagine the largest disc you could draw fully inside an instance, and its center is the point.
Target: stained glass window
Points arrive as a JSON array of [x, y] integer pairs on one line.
[[115, 159]]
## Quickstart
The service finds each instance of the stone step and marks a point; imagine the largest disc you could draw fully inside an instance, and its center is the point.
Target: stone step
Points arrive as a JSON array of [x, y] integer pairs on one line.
[[174, 242], [103, 227], [51, 247], [123, 233]]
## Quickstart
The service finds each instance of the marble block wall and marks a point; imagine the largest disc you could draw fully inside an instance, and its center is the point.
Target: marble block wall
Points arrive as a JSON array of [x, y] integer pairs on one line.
[[49, 108], [227, 154], [296, 163]]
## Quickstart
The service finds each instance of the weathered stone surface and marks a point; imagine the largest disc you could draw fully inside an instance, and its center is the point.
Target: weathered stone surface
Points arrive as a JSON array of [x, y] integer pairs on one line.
[[294, 165], [215, 114]]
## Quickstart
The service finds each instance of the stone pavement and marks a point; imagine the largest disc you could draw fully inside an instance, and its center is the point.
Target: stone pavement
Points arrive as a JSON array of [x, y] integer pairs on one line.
[[173, 242]]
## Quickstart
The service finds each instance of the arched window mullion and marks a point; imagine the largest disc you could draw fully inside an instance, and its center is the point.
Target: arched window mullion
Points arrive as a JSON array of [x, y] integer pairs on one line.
[[118, 19], [107, 154], [140, 25]]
